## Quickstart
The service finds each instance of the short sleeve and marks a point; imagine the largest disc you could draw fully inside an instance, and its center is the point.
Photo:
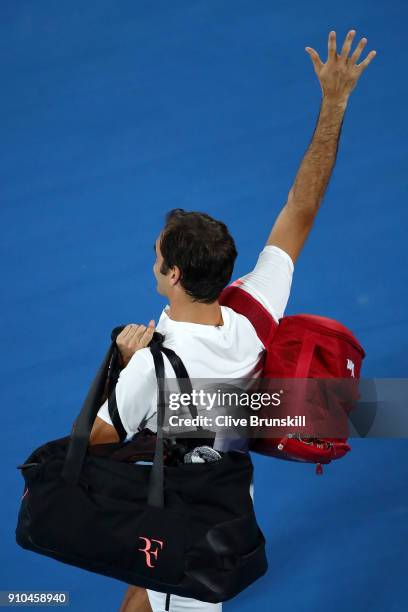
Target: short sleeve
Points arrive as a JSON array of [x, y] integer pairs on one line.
[[271, 280], [136, 394]]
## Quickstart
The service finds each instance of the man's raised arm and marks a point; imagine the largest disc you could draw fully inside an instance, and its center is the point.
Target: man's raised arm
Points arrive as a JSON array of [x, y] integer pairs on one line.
[[337, 77]]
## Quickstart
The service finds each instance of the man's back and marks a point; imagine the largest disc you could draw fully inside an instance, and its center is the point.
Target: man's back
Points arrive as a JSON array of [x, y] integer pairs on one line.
[[231, 350]]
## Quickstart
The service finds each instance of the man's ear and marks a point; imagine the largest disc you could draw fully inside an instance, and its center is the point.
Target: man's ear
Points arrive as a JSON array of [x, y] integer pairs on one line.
[[175, 275]]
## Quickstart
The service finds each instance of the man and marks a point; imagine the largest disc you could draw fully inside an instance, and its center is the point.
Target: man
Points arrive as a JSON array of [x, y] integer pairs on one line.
[[195, 255]]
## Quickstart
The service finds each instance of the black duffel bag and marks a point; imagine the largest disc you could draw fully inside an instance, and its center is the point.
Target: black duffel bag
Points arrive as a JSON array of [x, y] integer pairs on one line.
[[188, 530]]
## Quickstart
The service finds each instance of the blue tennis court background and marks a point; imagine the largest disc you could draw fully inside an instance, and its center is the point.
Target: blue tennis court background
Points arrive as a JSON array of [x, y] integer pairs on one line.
[[115, 112]]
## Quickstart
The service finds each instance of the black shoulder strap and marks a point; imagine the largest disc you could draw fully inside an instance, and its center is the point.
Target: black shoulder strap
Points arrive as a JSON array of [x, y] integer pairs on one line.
[[176, 363], [156, 495], [182, 376], [115, 417]]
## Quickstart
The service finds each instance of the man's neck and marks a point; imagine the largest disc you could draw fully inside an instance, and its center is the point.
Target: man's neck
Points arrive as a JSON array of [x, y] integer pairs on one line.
[[195, 312]]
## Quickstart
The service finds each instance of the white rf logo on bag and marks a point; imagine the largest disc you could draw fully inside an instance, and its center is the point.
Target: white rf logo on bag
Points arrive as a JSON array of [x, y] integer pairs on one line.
[[149, 552], [350, 366]]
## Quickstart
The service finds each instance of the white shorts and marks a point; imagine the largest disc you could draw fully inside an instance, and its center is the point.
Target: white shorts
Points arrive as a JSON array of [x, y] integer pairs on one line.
[[177, 603], [184, 604]]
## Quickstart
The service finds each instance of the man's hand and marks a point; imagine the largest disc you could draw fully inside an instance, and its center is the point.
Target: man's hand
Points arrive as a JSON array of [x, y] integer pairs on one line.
[[339, 75], [133, 338]]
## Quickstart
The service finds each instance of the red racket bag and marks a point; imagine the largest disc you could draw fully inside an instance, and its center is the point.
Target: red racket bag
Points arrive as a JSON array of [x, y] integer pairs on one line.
[[307, 347]]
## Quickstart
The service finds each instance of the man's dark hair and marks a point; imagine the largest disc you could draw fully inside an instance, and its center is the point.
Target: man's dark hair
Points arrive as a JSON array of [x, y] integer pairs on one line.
[[202, 248]]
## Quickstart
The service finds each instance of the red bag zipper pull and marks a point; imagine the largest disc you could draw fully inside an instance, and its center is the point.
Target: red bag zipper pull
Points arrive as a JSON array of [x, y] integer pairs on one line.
[[319, 469], [282, 443]]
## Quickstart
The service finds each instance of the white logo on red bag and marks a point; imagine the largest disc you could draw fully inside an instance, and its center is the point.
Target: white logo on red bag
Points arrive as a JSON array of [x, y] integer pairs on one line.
[[350, 366], [148, 550]]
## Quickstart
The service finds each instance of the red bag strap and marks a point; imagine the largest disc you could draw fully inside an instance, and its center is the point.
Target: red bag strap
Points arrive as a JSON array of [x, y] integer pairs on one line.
[[242, 302], [305, 357]]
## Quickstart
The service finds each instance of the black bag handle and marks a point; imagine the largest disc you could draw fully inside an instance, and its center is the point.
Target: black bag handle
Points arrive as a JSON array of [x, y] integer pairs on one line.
[[82, 427]]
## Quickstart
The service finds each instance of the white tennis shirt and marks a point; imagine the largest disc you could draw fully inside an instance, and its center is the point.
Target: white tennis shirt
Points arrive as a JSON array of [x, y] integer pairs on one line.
[[232, 350]]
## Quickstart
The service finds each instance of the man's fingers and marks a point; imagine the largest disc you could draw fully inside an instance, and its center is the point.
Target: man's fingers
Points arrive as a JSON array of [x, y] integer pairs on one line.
[[149, 331], [314, 56], [367, 60], [134, 337], [332, 45], [146, 336], [128, 333], [124, 333], [347, 45], [358, 50], [133, 341], [139, 332], [133, 328]]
